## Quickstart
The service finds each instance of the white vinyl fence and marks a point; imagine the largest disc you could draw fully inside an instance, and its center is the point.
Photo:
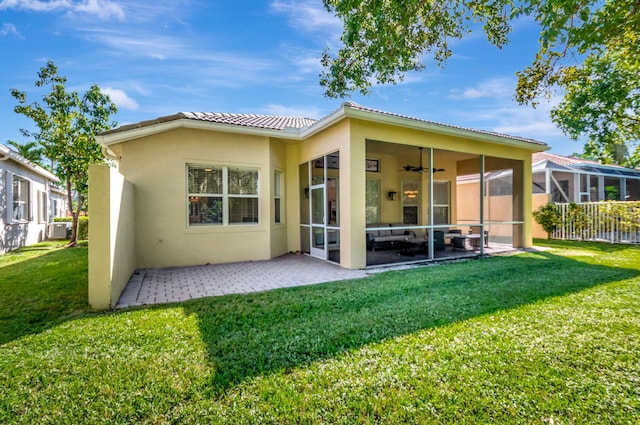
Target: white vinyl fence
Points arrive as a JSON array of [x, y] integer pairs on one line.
[[615, 222]]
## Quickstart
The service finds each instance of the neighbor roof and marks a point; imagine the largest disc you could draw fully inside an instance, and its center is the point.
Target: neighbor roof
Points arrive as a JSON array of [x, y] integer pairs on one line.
[[299, 128], [542, 160], [7, 153]]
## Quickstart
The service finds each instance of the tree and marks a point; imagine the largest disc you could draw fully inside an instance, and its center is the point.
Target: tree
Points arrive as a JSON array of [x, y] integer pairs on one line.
[[587, 48], [67, 125], [29, 150]]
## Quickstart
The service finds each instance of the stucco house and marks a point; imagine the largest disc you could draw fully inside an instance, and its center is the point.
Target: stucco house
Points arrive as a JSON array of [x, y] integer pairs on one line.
[[199, 188], [29, 200]]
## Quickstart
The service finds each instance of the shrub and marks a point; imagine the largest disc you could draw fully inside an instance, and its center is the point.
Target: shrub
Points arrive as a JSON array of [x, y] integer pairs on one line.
[[548, 217]]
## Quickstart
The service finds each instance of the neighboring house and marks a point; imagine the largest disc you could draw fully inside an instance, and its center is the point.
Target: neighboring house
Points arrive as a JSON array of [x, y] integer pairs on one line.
[[26, 193], [555, 178], [199, 188], [567, 179]]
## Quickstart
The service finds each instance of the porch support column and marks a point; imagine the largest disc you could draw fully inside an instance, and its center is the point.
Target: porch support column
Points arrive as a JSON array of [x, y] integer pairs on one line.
[[430, 204], [292, 198], [482, 195], [353, 204], [522, 193]]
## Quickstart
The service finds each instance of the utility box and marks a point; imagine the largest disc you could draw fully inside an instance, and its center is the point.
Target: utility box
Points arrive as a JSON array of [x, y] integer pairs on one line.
[[59, 230]]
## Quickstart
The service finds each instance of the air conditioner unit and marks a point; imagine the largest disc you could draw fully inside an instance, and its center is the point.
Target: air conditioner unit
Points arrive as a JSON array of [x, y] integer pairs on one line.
[[59, 230]]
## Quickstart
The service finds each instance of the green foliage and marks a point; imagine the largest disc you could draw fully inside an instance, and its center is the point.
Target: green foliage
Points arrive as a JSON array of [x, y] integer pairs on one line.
[[67, 125], [524, 341], [28, 150], [548, 217], [624, 216], [383, 40], [580, 220], [602, 101]]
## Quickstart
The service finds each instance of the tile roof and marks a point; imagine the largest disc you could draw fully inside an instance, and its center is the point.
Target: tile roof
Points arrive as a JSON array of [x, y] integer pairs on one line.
[[354, 105], [272, 122], [269, 122], [567, 160], [558, 159], [301, 124]]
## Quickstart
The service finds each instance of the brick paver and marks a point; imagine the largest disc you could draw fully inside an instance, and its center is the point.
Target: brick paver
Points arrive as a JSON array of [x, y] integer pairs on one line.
[[157, 286]]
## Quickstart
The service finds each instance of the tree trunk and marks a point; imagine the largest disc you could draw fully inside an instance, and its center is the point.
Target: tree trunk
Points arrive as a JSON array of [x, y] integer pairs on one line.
[[74, 214]]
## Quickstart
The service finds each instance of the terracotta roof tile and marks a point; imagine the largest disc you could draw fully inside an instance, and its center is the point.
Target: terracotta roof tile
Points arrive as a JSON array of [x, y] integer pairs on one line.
[[271, 122], [567, 160]]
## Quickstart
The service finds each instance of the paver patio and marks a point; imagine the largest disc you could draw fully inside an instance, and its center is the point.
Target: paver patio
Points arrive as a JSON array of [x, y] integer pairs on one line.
[[175, 284]]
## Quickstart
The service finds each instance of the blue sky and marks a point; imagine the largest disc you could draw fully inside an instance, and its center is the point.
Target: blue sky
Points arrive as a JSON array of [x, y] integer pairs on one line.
[[160, 57]]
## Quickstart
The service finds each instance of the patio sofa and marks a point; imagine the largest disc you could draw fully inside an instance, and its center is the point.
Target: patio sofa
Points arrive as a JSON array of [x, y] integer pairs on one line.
[[392, 238]]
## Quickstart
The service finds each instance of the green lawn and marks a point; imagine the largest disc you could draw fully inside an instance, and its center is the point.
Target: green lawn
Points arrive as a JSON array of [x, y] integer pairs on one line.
[[545, 337]]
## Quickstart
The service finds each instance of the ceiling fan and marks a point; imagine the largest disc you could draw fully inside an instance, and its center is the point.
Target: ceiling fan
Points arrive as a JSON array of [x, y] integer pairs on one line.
[[420, 168]]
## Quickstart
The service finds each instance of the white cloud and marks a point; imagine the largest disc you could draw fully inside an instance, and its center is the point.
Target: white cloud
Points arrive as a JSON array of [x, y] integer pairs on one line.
[[10, 29], [499, 87], [308, 16], [120, 98], [103, 9], [519, 120]]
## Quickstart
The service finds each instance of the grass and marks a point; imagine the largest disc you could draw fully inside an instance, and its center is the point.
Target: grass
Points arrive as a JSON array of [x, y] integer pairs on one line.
[[545, 337], [41, 286]]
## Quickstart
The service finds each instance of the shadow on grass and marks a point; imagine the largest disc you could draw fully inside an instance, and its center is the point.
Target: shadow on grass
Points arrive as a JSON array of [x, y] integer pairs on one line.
[[262, 333], [42, 292]]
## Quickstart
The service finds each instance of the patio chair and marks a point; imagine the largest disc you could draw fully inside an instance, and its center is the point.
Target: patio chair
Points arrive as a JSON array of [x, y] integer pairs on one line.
[[454, 232], [459, 243], [438, 240]]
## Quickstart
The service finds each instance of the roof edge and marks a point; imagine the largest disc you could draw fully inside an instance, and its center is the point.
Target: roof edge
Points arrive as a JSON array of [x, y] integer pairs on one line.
[[10, 154]]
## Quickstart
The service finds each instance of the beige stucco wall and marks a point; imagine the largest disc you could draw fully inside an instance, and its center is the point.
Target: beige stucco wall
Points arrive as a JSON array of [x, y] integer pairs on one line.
[[112, 256], [157, 167], [539, 199], [278, 231]]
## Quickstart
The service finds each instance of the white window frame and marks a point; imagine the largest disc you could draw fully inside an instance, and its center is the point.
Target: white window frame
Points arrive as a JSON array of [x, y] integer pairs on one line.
[[225, 195], [278, 203], [43, 212], [12, 203]]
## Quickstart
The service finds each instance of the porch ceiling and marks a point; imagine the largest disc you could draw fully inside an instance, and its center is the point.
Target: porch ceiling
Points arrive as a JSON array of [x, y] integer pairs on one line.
[[397, 149]]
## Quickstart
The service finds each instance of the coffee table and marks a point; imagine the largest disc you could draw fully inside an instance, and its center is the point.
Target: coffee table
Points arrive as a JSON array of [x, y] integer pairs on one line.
[[410, 243]]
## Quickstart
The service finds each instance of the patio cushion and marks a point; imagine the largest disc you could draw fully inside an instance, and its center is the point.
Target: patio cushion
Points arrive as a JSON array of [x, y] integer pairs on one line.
[[389, 238], [395, 230]]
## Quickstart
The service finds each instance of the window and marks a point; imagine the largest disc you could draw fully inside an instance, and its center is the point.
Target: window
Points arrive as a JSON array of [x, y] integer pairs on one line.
[[410, 201], [20, 199], [42, 207], [440, 202], [222, 195], [277, 195]]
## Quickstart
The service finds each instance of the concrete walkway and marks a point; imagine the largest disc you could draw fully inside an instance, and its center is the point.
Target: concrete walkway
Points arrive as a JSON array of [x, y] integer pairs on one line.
[[157, 286]]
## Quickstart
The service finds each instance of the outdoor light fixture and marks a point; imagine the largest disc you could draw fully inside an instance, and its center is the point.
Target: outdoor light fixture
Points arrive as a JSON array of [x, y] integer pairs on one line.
[[306, 192], [393, 195]]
